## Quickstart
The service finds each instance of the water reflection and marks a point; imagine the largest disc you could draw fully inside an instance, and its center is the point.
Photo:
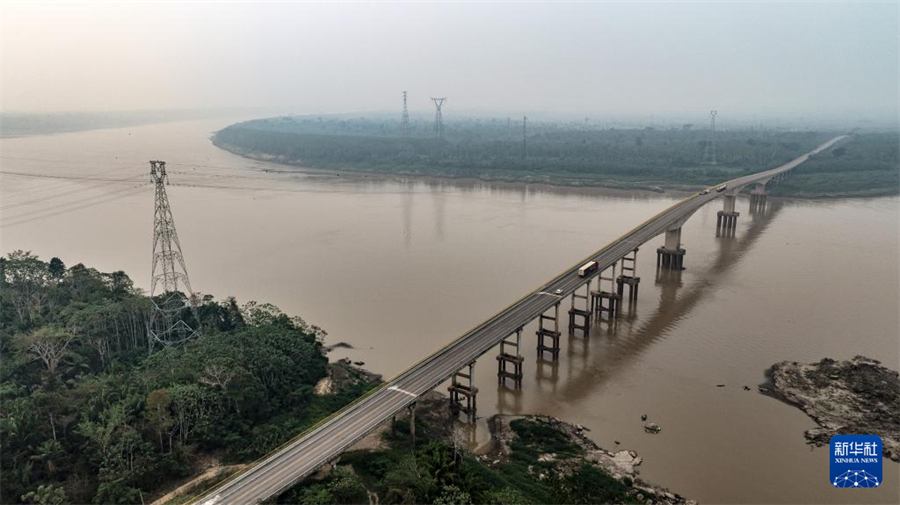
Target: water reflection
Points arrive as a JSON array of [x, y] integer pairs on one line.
[[673, 307]]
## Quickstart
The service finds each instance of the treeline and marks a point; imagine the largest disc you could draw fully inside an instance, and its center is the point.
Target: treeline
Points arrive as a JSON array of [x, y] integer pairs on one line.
[[866, 164], [564, 153], [89, 414]]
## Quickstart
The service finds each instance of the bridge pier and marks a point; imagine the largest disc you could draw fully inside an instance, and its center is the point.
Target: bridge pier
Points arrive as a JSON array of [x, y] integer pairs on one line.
[[757, 202], [671, 255], [758, 198], [515, 359], [465, 389], [545, 333], [726, 219], [605, 301], [580, 319], [629, 265]]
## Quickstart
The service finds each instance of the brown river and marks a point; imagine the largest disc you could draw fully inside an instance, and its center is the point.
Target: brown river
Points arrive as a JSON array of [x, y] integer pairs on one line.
[[399, 267]]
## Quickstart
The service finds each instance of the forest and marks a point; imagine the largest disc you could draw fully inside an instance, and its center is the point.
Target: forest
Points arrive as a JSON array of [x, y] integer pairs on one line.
[[571, 153], [93, 413]]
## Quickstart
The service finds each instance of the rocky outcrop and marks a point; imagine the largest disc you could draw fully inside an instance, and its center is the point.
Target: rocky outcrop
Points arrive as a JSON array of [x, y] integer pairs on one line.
[[855, 397], [621, 465]]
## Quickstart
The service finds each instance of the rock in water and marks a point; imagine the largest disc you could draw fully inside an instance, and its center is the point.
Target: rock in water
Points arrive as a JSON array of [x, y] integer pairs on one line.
[[652, 428], [858, 396]]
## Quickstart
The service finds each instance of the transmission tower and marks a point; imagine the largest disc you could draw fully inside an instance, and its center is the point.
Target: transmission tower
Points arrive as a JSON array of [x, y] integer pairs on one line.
[[438, 121], [404, 123], [524, 133], [170, 288], [709, 155]]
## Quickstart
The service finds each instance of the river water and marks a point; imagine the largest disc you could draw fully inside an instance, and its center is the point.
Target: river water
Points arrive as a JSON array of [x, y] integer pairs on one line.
[[398, 267]]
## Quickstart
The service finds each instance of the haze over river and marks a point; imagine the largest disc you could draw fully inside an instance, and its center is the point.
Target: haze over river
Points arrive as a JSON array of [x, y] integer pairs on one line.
[[399, 267]]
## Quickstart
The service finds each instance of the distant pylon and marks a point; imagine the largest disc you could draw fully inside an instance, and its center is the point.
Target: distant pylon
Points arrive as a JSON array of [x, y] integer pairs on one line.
[[404, 123], [170, 288], [524, 136], [709, 155], [438, 120]]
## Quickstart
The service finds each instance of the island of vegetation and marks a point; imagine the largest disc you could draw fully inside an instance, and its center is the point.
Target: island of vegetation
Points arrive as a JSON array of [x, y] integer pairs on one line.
[[571, 154], [93, 412], [855, 397]]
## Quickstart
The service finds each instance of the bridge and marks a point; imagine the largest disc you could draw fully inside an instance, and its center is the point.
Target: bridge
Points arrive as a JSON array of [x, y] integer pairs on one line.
[[455, 361]]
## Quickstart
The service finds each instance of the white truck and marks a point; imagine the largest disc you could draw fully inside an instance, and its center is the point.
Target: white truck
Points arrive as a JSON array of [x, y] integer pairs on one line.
[[587, 269]]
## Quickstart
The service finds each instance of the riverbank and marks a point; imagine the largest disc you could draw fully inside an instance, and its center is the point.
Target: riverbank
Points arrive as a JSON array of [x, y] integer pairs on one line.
[[550, 181], [530, 459], [854, 397]]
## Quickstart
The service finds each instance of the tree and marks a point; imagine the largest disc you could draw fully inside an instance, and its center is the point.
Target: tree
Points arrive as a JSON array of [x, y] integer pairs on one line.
[[56, 268], [48, 344], [117, 492], [346, 488], [157, 412], [453, 495], [46, 495], [26, 277]]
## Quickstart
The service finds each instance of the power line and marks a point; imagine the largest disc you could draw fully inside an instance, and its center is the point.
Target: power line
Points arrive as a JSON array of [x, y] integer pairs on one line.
[[131, 192], [65, 177], [54, 196]]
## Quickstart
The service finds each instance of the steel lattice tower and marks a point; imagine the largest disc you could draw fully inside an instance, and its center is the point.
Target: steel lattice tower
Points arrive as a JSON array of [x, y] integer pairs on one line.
[[438, 120], [709, 155], [404, 123], [170, 287], [524, 136]]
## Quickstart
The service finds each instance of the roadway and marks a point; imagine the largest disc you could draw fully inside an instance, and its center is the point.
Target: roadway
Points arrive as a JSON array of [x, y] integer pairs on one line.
[[308, 452]]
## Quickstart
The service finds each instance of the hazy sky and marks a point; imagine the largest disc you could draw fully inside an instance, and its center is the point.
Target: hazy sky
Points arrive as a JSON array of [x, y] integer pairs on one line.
[[818, 58]]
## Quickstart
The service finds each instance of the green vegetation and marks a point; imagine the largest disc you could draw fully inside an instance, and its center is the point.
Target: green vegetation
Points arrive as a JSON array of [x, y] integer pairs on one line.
[[563, 153], [89, 415], [867, 165], [434, 472]]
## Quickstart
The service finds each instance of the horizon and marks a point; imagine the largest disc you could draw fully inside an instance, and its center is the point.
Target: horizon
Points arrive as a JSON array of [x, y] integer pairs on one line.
[[597, 59]]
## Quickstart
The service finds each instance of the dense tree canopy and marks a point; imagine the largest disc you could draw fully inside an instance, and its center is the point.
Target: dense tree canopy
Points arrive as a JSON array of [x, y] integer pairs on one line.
[[554, 152], [90, 414]]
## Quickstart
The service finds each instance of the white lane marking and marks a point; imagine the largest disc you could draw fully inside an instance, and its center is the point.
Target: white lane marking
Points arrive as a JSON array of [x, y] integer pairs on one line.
[[549, 294], [213, 500], [395, 388]]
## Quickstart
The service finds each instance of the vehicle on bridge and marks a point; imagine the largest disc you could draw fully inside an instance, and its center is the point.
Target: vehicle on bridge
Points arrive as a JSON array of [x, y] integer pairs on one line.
[[588, 269], [705, 192], [722, 188]]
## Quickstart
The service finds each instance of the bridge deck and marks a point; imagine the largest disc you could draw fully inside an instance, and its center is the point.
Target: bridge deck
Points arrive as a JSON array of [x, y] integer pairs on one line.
[[305, 454]]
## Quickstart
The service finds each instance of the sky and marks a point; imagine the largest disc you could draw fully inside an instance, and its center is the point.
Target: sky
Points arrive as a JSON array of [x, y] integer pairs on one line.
[[821, 58]]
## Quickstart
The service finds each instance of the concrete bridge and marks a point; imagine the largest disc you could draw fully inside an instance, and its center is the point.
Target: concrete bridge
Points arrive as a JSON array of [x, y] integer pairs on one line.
[[614, 278]]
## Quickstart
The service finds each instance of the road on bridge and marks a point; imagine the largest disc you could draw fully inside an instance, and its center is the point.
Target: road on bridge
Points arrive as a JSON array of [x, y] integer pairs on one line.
[[324, 442]]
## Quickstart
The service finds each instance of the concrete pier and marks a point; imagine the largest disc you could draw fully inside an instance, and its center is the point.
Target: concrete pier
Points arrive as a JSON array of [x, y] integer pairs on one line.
[[606, 301], [510, 359], [671, 255], [758, 197], [545, 333], [462, 386], [726, 219], [580, 318], [628, 277]]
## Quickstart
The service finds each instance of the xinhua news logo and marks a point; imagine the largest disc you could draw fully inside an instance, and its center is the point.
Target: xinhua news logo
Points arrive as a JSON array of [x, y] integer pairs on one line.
[[856, 461]]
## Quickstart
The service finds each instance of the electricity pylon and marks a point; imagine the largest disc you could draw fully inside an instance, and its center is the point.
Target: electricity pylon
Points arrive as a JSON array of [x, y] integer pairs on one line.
[[709, 155], [404, 122], [438, 120], [170, 287]]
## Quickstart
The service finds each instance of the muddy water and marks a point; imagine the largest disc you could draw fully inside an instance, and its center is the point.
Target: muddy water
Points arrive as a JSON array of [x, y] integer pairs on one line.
[[399, 267]]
